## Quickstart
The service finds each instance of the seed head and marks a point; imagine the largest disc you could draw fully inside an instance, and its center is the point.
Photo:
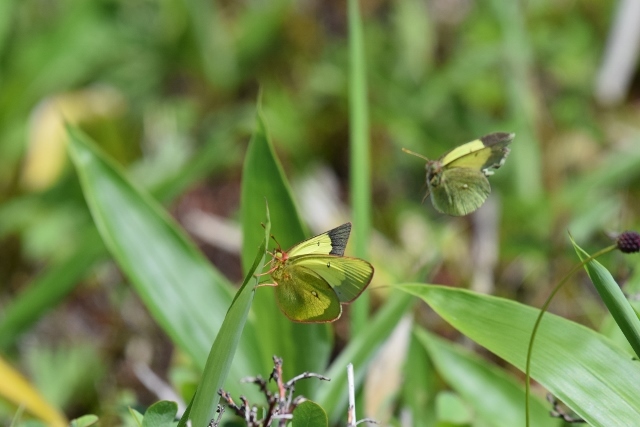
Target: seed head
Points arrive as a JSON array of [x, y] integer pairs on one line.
[[629, 242]]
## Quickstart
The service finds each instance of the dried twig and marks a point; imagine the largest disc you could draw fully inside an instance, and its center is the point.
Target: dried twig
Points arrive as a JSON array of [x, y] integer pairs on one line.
[[280, 405], [558, 412], [216, 422]]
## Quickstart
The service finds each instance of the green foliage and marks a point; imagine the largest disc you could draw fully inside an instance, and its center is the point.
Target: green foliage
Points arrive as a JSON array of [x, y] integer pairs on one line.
[[160, 99], [304, 347], [309, 414], [359, 152], [153, 252], [598, 369], [484, 388], [204, 406], [615, 300], [84, 421], [160, 414]]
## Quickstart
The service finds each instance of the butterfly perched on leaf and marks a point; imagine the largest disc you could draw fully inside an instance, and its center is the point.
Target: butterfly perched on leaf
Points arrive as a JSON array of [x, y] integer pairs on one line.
[[457, 181], [313, 278]]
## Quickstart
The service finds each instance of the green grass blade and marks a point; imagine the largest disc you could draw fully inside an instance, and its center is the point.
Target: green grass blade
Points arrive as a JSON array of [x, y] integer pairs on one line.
[[184, 294], [332, 396], [360, 158], [494, 396], [420, 385], [224, 347], [576, 364], [613, 297], [523, 98], [303, 347]]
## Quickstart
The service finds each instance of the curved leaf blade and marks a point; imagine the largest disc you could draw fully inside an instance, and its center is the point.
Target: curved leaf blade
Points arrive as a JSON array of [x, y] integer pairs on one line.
[[333, 396], [184, 294], [576, 364], [495, 397], [224, 347], [613, 297], [303, 347]]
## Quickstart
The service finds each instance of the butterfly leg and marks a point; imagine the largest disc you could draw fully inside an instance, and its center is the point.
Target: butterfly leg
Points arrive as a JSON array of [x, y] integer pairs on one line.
[[259, 285], [425, 196]]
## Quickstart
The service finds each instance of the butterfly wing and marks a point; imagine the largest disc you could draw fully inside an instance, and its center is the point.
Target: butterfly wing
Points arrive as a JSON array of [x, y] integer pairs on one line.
[[304, 296], [484, 154], [460, 192], [347, 276], [332, 242]]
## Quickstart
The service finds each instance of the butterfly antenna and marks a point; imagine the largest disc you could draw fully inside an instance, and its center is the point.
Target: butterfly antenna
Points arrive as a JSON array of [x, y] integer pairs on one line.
[[277, 243], [413, 153]]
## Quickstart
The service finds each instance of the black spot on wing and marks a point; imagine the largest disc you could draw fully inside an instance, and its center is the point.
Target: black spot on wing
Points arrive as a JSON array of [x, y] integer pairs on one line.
[[498, 143], [339, 237], [496, 138]]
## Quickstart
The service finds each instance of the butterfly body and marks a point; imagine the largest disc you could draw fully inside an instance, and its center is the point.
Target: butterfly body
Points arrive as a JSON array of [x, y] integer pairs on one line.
[[313, 278], [457, 181]]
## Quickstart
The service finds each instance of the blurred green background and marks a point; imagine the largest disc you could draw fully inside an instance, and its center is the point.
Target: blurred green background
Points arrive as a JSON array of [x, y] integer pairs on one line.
[[168, 88]]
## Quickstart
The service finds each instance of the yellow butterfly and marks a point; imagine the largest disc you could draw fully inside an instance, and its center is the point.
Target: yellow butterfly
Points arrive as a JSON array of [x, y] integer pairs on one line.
[[313, 278], [457, 181]]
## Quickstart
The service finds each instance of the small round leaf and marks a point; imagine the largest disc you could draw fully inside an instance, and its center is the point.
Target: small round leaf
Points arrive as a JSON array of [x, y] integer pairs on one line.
[[309, 414]]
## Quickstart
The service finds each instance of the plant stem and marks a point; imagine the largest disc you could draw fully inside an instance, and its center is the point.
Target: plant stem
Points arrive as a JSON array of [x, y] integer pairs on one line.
[[544, 308]]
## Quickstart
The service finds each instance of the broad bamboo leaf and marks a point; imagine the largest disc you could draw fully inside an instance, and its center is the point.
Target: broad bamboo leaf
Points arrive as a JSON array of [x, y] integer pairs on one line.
[[494, 396], [582, 368]]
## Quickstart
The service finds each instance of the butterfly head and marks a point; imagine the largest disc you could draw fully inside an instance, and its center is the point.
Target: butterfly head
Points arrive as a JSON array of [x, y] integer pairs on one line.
[[434, 172], [279, 255]]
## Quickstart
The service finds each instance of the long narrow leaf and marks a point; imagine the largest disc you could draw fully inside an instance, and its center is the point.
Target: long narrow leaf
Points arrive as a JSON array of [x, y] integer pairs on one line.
[[224, 347], [55, 282], [523, 97], [584, 369], [185, 295], [359, 143], [614, 299], [495, 397], [333, 395], [420, 386], [303, 347]]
